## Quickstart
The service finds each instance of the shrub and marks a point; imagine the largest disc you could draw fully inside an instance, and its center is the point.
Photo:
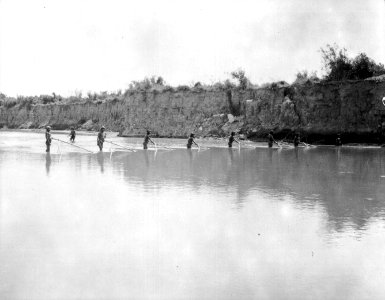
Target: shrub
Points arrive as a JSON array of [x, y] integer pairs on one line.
[[243, 81], [91, 96], [304, 77], [183, 88], [153, 82], [228, 84], [9, 102], [46, 99], [25, 102]]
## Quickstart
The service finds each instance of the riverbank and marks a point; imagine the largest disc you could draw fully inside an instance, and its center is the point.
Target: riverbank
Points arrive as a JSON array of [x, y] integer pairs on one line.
[[318, 111]]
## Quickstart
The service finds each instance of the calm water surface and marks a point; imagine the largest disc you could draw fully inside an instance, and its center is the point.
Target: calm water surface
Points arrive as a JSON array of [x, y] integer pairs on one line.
[[179, 224]]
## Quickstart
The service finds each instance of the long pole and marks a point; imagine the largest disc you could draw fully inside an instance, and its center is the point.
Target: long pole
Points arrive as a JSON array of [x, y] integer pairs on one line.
[[308, 145], [165, 147], [121, 146], [73, 145]]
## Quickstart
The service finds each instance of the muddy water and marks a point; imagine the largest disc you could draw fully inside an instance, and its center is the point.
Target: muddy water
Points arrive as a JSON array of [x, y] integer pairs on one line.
[[179, 224]]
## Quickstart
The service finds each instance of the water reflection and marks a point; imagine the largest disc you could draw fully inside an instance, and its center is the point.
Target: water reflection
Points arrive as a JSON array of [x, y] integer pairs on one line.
[[146, 158], [343, 180], [48, 162], [231, 156], [346, 183], [270, 152], [100, 159], [190, 156], [165, 225]]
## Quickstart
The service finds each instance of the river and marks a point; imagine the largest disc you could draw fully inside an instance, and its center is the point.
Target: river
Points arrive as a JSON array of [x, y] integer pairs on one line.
[[249, 223]]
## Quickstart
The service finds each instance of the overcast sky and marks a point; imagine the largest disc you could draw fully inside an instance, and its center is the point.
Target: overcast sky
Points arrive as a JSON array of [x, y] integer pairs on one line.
[[63, 46]]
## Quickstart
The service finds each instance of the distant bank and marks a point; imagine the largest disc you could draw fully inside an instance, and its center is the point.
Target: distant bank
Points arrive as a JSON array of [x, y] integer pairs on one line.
[[316, 110]]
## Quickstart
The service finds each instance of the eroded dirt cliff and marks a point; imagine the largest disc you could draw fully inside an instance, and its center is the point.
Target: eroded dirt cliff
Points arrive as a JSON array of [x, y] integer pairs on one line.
[[321, 110]]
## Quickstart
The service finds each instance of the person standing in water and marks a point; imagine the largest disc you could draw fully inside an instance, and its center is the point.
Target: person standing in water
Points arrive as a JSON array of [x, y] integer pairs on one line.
[[147, 139], [48, 138], [271, 139], [232, 140], [72, 135], [101, 138], [191, 141], [296, 140], [338, 140], [379, 133]]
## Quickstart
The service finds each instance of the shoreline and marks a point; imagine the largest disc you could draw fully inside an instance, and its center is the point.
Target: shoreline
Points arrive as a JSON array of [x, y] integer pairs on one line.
[[205, 138]]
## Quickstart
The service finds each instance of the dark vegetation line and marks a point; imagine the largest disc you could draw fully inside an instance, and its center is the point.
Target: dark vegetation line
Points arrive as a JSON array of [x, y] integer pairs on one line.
[[338, 66]]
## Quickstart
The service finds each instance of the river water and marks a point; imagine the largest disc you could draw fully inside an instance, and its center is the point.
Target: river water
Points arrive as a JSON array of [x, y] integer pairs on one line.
[[253, 223]]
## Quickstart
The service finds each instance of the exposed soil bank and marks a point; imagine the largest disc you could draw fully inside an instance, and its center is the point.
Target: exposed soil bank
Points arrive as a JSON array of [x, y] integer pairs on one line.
[[319, 111]]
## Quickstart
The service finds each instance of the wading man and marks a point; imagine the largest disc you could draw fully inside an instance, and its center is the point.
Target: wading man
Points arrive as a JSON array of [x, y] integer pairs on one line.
[[191, 141], [72, 135], [232, 140], [271, 139], [147, 139], [48, 138], [101, 138], [338, 140], [296, 140]]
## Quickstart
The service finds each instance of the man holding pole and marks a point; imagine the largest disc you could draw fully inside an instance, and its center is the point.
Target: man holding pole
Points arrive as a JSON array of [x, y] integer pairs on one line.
[[101, 138], [232, 140], [72, 135], [147, 139], [48, 138], [191, 141], [271, 140], [296, 140]]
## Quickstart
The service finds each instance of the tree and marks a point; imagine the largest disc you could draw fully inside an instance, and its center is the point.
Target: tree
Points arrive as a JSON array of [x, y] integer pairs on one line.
[[339, 66], [160, 81], [336, 63], [364, 67], [243, 81]]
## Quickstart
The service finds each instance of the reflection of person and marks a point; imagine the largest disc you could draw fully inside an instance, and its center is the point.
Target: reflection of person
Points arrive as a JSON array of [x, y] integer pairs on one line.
[[270, 154], [101, 138], [47, 162], [296, 152], [48, 138], [72, 135], [191, 141], [232, 139], [146, 158], [190, 156], [100, 158], [338, 140], [231, 154], [271, 139], [147, 139]]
